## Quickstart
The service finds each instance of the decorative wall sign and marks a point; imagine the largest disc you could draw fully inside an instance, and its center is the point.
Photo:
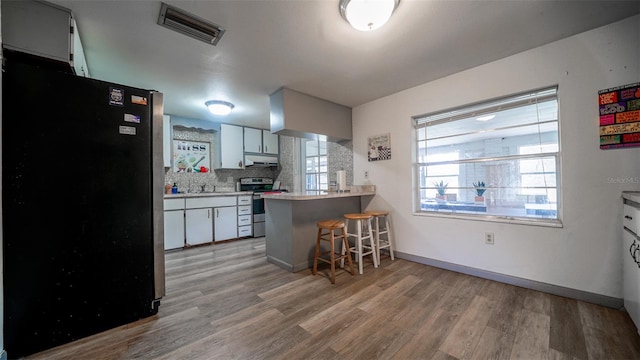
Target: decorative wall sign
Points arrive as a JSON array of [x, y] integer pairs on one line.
[[619, 116], [190, 156], [379, 147]]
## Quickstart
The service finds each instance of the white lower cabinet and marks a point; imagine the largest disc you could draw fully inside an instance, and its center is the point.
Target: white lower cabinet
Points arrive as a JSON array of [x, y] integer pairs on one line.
[[199, 226], [173, 223], [173, 229], [245, 226], [225, 223], [204, 219]]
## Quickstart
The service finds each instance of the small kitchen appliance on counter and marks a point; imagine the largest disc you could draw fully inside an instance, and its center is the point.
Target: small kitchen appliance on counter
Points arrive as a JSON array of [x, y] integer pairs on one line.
[[258, 186]]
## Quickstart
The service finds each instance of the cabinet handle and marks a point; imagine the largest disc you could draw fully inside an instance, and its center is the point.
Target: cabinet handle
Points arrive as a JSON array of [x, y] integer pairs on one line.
[[266, 148], [209, 213], [217, 213], [628, 217]]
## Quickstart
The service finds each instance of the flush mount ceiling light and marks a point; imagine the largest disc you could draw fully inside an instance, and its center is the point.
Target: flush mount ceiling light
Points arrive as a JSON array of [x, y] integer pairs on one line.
[[219, 107], [367, 15]]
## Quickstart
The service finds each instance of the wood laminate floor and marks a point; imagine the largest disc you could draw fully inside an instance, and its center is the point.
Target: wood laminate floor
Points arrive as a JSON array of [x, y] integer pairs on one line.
[[225, 301]]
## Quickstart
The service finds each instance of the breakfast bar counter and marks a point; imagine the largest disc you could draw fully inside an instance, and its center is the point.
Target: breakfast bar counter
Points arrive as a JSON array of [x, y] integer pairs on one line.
[[291, 222]]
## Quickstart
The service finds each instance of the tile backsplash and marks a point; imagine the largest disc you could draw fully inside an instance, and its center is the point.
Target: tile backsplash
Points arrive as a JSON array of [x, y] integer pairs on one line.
[[215, 179]]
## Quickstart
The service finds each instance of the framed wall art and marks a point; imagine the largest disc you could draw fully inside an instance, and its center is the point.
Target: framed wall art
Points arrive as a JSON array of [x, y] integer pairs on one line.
[[620, 116], [379, 147]]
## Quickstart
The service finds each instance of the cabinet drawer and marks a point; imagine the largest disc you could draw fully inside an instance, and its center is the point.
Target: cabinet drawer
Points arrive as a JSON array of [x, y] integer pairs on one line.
[[214, 201], [244, 231], [244, 220], [244, 210], [174, 204], [631, 219], [244, 200]]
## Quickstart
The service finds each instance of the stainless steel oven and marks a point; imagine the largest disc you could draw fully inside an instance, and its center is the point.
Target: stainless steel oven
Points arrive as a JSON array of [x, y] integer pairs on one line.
[[258, 186]]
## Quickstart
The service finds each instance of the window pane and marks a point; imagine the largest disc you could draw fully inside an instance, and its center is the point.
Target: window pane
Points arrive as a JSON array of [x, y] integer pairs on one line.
[[518, 117], [312, 165], [311, 147], [323, 164], [322, 146], [316, 165], [491, 167]]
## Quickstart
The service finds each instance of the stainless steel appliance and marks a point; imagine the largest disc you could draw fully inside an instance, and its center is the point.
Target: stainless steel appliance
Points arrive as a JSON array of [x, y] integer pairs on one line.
[[258, 186], [82, 185]]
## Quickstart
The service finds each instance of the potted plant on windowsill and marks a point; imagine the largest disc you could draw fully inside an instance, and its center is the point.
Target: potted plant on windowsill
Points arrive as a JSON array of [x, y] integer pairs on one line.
[[480, 189], [441, 188]]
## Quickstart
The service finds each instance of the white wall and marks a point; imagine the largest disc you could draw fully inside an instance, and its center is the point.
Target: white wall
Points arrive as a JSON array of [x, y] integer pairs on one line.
[[586, 253]]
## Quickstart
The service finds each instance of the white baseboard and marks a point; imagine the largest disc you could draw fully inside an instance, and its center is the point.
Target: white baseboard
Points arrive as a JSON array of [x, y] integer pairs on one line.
[[593, 298]]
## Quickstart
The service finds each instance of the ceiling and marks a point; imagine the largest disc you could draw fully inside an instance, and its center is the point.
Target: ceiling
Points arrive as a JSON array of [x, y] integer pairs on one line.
[[306, 46]]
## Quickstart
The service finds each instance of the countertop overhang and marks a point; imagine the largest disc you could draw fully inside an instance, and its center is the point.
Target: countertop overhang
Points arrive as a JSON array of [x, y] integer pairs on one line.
[[316, 195]]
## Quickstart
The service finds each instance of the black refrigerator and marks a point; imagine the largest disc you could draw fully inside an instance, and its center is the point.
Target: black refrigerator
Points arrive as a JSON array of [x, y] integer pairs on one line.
[[82, 185]]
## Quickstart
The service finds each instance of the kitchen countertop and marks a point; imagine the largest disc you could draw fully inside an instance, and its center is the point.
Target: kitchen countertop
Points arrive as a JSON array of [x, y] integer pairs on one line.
[[364, 190], [204, 194], [631, 195]]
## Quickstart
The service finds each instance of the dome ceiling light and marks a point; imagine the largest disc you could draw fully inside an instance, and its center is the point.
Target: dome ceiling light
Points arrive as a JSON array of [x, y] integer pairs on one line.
[[219, 107], [367, 15]]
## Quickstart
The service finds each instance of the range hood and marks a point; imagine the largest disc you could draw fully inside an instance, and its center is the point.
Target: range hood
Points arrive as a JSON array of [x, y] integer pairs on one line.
[[260, 161]]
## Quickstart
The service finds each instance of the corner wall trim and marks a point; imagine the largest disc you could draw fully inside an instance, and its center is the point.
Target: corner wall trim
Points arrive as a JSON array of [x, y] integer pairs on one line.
[[593, 298]]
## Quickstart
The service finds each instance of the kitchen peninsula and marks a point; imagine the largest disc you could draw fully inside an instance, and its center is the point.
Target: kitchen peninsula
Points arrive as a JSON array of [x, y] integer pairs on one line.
[[291, 222]]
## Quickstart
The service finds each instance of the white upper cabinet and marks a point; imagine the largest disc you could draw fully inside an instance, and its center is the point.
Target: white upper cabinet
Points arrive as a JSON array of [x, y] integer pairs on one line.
[[252, 140], [269, 142], [45, 30], [79, 61], [231, 154], [260, 141]]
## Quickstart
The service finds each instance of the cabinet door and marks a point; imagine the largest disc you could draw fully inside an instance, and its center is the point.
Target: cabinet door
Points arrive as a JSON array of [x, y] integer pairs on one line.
[[269, 142], [231, 148], [252, 140], [198, 226], [173, 229], [630, 278], [226, 223]]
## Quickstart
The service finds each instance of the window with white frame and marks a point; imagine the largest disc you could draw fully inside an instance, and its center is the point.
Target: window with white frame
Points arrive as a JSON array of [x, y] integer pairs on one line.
[[497, 159], [316, 174]]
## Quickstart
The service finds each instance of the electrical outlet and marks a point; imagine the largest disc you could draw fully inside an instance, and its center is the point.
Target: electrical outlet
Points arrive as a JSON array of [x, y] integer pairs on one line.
[[366, 174], [488, 238]]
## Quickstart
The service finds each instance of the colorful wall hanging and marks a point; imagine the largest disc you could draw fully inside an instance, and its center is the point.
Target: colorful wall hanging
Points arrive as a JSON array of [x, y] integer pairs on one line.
[[619, 116]]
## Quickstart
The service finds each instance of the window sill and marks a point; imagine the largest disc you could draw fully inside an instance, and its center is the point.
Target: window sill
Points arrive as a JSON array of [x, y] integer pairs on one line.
[[556, 223]]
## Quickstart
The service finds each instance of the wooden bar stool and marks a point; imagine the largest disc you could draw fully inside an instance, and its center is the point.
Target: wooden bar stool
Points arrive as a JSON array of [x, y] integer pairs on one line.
[[387, 241], [331, 226], [362, 233]]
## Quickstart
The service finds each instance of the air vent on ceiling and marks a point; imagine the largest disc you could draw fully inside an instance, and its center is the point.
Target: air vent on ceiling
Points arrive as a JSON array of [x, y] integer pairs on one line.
[[190, 25]]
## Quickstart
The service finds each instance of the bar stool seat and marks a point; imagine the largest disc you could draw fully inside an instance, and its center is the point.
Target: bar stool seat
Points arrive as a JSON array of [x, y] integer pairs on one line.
[[326, 232], [364, 244], [385, 242]]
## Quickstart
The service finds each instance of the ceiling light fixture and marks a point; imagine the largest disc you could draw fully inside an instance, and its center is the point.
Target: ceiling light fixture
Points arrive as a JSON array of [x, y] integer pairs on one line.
[[367, 15], [485, 117], [219, 107]]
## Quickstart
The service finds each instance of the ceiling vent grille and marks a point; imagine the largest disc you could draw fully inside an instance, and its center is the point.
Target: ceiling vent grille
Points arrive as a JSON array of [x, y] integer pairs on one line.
[[190, 25]]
